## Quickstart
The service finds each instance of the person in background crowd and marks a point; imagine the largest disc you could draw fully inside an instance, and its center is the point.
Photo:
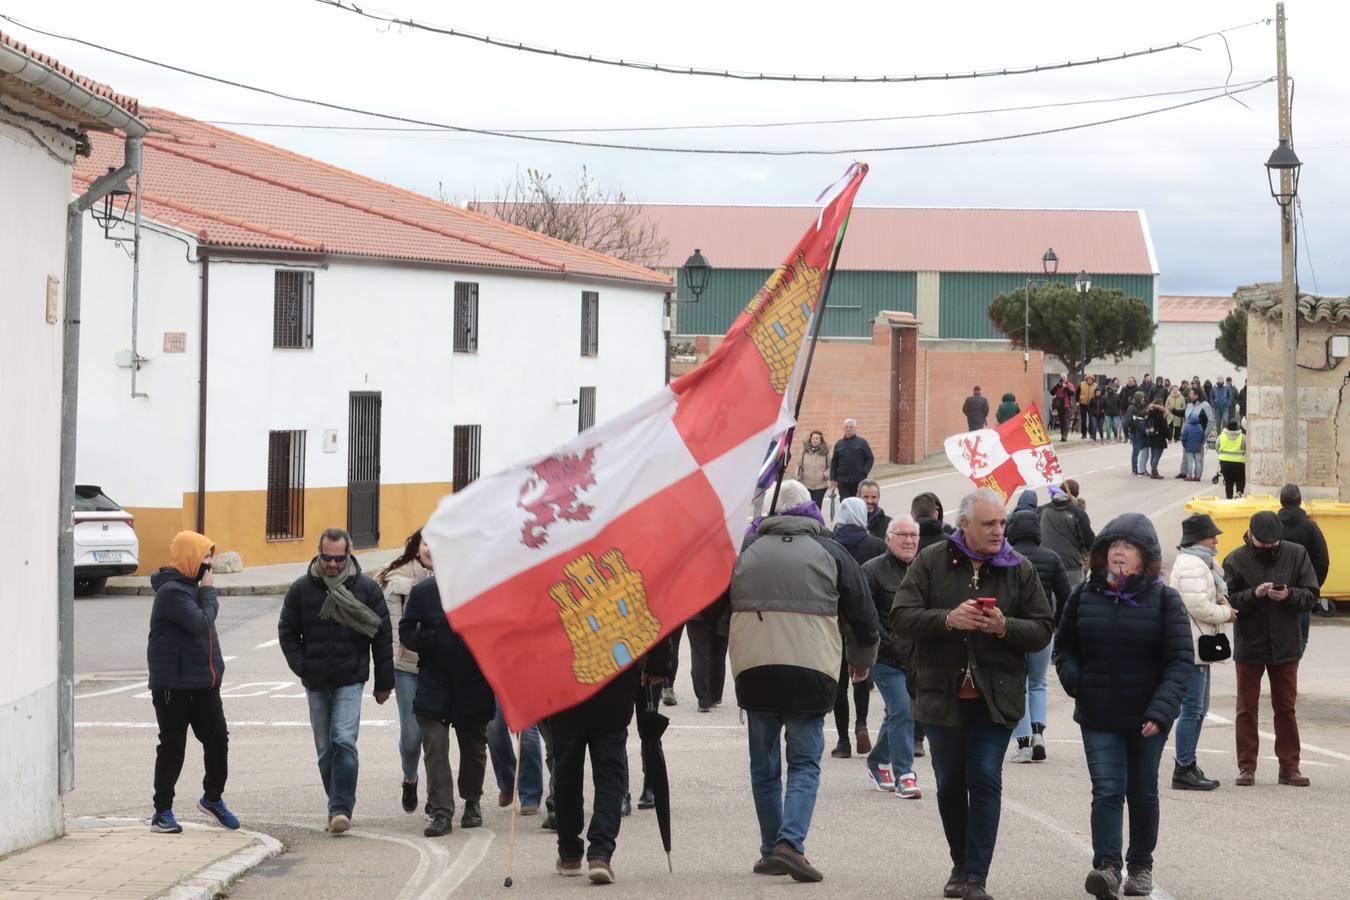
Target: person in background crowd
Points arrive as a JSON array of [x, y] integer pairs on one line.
[[813, 466], [1147, 385], [1136, 417], [1008, 408], [1111, 415], [672, 664], [333, 622], [890, 765], [869, 492], [1024, 533], [1124, 653], [1207, 391], [1196, 405], [1087, 389], [1156, 432], [1062, 402], [1233, 459], [1193, 449], [1242, 402], [708, 653], [1222, 400], [1162, 391], [976, 410], [966, 672], [1096, 410], [1176, 413], [397, 580], [1301, 530], [185, 667], [1198, 578], [792, 592], [851, 461], [850, 531], [1270, 581], [926, 509], [1066, 530]]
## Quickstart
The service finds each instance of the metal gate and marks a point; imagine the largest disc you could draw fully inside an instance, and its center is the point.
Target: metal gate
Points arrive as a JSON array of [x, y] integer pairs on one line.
[[363, 469]]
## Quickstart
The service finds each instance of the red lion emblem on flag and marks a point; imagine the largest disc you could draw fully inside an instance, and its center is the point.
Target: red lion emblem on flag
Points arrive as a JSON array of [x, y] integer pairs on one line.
[[553, 491]]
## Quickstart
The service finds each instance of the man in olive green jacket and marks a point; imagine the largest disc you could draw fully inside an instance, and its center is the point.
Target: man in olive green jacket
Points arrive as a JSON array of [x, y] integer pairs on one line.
[[968, 672]]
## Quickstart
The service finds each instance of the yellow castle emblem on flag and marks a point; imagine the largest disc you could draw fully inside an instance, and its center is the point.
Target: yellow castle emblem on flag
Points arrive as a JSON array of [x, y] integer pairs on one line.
[[609, 624], [781, 311], [1035, 429]]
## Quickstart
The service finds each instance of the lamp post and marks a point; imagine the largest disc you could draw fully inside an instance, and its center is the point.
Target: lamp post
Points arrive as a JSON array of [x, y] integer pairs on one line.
[[1049, 265], [1286, 162], [1083, 284], [697, 271]]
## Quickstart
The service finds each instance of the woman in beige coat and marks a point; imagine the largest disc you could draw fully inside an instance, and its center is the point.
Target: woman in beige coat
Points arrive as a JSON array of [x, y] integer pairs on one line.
[[397, 580], [813, 467], [1198, 577]]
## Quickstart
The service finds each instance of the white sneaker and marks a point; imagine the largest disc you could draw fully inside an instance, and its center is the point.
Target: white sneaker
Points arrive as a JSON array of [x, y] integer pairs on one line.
[[883, 779], [909, 787], [1022, 755]]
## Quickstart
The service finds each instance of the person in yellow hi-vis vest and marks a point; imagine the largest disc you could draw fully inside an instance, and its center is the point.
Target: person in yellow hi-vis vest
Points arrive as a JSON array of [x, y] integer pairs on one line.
[[1233, 459]]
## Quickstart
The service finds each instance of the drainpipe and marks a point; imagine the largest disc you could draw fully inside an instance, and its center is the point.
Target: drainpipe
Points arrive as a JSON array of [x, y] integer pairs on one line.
[[201, 395], [136, 285]]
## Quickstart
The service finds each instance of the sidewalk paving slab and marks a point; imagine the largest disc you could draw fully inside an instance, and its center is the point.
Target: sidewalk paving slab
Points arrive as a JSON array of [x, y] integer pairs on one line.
[[123, 859]]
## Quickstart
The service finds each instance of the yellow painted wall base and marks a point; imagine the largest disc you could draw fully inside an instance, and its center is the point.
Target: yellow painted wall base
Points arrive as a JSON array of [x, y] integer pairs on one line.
[[237, 520]]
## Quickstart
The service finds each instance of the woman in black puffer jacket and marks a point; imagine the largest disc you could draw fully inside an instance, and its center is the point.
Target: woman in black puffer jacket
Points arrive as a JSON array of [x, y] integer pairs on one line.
[[1124, 653]]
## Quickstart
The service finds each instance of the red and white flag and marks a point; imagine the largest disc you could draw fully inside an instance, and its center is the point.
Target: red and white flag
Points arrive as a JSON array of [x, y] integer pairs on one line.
[[1016, 453], [561, 571]]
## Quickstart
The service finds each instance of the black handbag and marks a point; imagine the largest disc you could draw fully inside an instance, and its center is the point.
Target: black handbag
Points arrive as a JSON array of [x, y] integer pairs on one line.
[[1214, 647]]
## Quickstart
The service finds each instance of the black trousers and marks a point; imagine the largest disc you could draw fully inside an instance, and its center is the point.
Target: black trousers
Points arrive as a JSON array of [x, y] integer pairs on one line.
[[674, 654], [1234, 475], [175, 711], [707, 662], [862, 692], [848, 489], [609, 774]]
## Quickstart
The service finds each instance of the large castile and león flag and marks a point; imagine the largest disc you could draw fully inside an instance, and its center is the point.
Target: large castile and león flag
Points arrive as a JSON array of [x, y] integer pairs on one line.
[[1014, 454], [562, 571]]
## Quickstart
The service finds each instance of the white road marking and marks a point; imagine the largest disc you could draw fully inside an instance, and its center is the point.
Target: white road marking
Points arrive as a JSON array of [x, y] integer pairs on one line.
[[116, 690], [244, 723], [469, 858], [1334, 754], [228, 658], [265, 644], [426, 851]]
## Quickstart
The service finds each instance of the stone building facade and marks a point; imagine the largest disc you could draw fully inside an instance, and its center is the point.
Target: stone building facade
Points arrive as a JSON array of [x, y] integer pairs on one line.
[[1323, 402]]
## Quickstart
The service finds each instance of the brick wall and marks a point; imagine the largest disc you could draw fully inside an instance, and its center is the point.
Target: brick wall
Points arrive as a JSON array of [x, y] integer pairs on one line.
[[945, 380]]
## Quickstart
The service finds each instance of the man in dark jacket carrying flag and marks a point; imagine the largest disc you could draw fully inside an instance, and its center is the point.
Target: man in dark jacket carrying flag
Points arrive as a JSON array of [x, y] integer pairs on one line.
[[185, 671]]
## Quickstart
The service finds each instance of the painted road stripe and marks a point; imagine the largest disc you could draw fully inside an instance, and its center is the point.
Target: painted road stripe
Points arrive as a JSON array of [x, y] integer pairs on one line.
[[265, 644], [116, 690]]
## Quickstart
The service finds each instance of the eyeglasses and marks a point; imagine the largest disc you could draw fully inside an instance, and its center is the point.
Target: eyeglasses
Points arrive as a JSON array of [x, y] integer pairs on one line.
[[904, 537], [329, 557]]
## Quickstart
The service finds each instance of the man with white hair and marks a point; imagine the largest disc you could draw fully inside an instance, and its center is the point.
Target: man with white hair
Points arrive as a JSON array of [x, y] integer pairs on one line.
[[851, 462], [974, 609], [890, 765]]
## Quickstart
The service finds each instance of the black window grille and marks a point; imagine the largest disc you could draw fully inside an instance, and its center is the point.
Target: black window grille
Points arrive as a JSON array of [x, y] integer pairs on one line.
[[586, 409], [466, 317], [292, 310], [467, 452], [590, 323], [285, 485]]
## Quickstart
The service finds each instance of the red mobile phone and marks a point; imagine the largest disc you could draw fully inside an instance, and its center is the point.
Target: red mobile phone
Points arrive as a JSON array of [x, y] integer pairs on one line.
[[987, 603]]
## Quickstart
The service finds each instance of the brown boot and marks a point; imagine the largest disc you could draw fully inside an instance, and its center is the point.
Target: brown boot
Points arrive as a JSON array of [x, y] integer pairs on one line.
[[864, 741], [1246, 778], [796, 864], [1294, 779]]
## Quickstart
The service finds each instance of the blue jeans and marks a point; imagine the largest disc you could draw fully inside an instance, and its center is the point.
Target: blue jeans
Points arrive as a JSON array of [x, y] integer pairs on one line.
[[1194, 707], [1038, 691], [335, 718], [1154, 457], [504, 761], [895, 743], [1123, 764], [1193, 464], [968, 766], [409, 733], [784, 816]]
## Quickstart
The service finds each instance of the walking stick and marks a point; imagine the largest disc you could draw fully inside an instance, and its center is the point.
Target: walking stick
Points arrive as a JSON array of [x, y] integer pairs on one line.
[[515, 810]]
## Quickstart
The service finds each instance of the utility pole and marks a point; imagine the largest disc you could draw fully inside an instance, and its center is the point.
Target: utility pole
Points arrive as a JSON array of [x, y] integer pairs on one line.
[[1288, 297]]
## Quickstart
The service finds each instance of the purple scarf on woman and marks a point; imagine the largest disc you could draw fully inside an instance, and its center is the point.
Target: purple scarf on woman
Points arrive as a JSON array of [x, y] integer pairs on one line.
[[807, 510], [1006, 557]]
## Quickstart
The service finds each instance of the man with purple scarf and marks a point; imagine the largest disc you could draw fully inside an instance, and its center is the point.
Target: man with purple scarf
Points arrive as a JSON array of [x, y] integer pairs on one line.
[[973, 608]]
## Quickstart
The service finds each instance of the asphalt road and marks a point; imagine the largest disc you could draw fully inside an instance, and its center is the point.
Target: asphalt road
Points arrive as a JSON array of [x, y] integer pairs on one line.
[[1233, 843]]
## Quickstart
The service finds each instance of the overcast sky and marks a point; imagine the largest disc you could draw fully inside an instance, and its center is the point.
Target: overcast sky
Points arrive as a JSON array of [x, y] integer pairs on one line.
[[1197, 173]]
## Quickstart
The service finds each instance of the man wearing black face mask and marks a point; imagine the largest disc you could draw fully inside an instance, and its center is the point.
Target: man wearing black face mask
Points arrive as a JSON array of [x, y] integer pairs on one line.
[[1270, 581]]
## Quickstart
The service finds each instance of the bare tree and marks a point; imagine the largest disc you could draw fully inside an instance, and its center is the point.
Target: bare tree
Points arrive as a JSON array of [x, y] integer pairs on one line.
[[585, 215]]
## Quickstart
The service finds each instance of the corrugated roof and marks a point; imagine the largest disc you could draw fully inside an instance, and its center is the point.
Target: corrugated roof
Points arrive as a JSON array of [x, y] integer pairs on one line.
[[914, 239], [1193, 308], [1264, 300], [36, 96], [235, 191]]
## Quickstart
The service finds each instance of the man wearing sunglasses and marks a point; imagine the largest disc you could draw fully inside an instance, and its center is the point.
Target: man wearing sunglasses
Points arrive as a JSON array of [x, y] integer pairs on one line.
[[332, 620]]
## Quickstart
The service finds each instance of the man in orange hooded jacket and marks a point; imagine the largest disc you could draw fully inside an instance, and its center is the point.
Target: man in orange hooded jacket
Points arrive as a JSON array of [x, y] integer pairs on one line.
[[185, 671]]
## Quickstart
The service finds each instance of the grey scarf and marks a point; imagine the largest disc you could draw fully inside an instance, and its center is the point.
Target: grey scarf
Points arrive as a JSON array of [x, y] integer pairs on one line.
[[341, 605], [1207, 554]]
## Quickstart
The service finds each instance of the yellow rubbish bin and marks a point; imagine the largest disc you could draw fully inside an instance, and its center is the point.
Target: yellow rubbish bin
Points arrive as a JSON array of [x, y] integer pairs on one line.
[[1334, 520], [1233, 516]]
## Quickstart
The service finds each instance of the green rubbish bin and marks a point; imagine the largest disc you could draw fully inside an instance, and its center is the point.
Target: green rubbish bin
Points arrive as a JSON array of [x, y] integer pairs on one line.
[[1334, 520], [1233, 516]]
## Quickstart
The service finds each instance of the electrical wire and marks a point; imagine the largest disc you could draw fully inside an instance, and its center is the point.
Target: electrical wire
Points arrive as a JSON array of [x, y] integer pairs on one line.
[[1301, 240], [602, 145], [729, 125], [404, 22]]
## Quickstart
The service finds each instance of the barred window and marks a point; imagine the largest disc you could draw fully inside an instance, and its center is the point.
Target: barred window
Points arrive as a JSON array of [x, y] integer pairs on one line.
[[586, 409], [590, 323], [285, 485], [466, 317], [292, 310], [467, 452]]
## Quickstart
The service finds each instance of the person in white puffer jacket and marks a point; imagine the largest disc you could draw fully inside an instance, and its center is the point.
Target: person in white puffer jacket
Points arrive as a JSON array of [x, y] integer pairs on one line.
[[1198, 577]]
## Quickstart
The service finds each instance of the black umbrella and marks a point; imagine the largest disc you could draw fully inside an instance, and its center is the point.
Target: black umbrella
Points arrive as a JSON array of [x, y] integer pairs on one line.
[[651, 725]]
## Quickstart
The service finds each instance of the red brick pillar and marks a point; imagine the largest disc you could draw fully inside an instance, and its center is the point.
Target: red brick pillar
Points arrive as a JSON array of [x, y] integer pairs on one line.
[[905, 357]]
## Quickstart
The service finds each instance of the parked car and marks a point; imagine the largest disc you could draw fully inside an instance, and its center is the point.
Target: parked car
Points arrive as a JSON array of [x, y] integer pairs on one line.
[[105, 540]]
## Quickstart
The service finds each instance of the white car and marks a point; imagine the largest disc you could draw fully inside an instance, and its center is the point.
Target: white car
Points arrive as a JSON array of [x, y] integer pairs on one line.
[[105, 540]]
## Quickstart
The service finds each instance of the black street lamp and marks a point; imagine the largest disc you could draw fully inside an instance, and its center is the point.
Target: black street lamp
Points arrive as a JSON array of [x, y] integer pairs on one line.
[[697, 271], [113, 211], [1283, 159], [1083, 284], [1049, 265]]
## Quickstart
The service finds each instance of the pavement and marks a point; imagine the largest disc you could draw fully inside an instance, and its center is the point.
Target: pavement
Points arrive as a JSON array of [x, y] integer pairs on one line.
[[122, 859]]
